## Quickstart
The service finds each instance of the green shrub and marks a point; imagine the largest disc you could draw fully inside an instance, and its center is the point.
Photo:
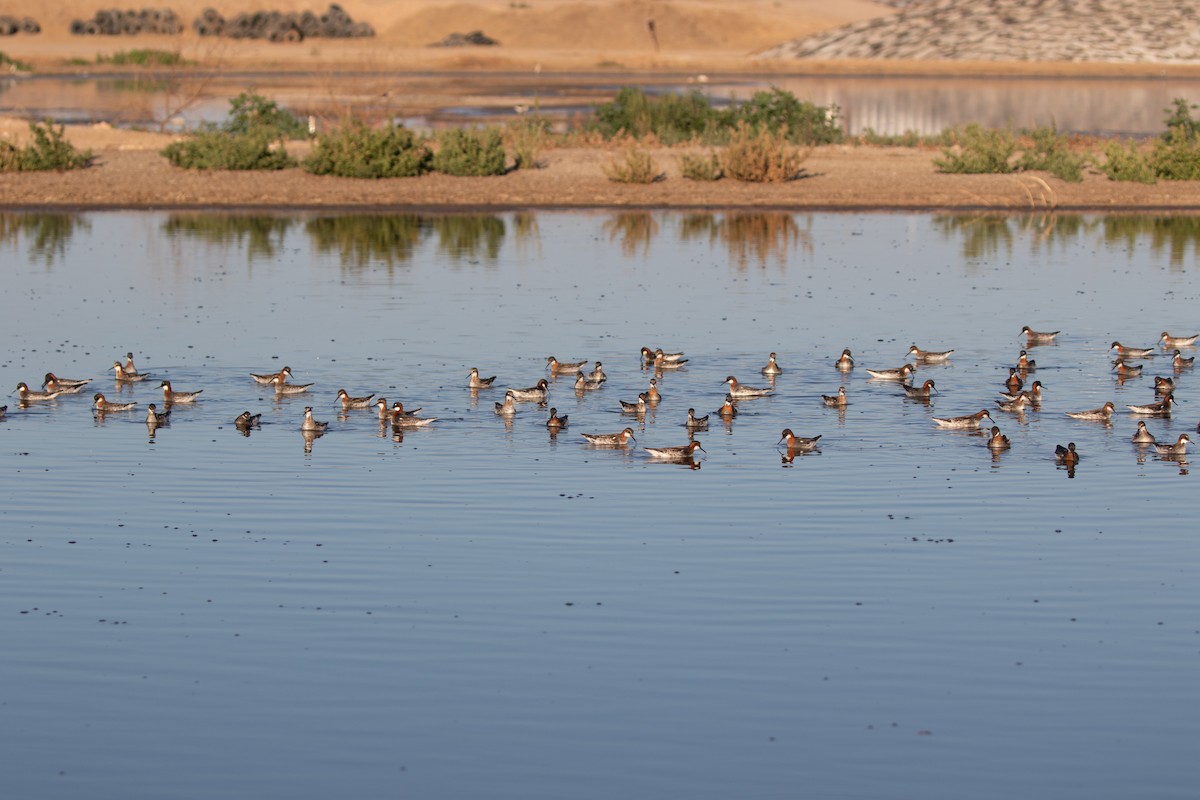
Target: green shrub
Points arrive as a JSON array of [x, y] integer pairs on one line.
[[251, 111], [357, 151], [1177, 158], [777, 109], [760, 155], [672, 118], [48, 151], [977, 150], [1126, 163], [9, 64], [215, 149], [1050, 151], [1180, 116], [526, 138], [700, 168], [470, 152], [636, 167], [143, 58]]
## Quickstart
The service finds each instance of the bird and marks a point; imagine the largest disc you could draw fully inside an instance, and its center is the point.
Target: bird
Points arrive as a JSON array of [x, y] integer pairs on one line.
[[508, 407], [1143, 436], [408, 419], [900, 373], [929, 356], [653, 396], [795, 442], [476, 382], [1131, 352], [1025, 363], [1177, 450], [583, 382], [154, 417], [1066, 455], [129, 366], [1179, 362], [656, 355], [381, 408], [738, 391], [555, 420], [1033, 394], [102, 405], [1039, 337], [398, 410], [1014, 382], [636, 407], [282, 388], [1169, 341], [609, 439], [728, 410], [267, 378], [1017, 404], [970, 421], [28, 395], [535, 393], [998, 441], [1160, 409], [349, 402], [845, 361], [597, 375], [1126, 370], [835, 401], [922, 392], [171, 396], [695, 423], [52, 382], [1164, 385], [124, 376], [1104, 412], [564, 366], [668, 360], [772, 368], [245, 421], [311, 425], [681, 453]]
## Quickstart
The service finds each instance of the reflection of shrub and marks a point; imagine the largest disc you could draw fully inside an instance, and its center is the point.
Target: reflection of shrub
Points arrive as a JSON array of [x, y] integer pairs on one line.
[[636, 167], [977, 150], [761, 156], [212, 149], [470, 152], [700, 168], [356, 151], [48, 151], [250, 110], [1050, 151]]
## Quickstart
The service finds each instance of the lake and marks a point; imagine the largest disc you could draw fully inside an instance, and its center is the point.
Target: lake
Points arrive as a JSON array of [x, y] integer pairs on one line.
[[480, 609]]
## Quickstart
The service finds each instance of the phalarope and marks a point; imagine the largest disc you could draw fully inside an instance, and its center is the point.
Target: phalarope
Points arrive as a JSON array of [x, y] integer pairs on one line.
[[269, 377], [1066, 455], [1160, 409], [349, 402], [101, 405], [171, 396], [998, 440], [922, 392], [246, 420], [597, 375], [535, 393], [1177, 450], [1126, 370], [1039, 337], [652, 394], [565, 366], [845, 361], [381, 408], [727, 410], [1033, 394], [1014, 382], [1169, 341], [311, 425], [609, 439], [738, 391], [638, 407], [1143, 436], [668, 360], [508, 407], [128, 377], [398, 410], [835, 401], [1104, 412], [1164, 385], [970, 421], [3, 411], [555, 420], [1018, 403], [795, 442], [1025, 363], [1131, 352], [583, 382], [28, 395], [650, 356], [683, 453], [65, 384], [898, 374], [772, 368], [476, 382], [408, 419], [1179, 362], [695, 423], [282, 388], [129, 366], [929, 356], [154, 417]]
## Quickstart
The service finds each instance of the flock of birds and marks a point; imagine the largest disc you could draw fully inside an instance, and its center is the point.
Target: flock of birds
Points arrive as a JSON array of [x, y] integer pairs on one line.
[[1015, 397]]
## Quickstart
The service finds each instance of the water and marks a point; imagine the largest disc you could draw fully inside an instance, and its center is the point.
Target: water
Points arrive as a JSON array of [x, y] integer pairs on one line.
[[476, 609]]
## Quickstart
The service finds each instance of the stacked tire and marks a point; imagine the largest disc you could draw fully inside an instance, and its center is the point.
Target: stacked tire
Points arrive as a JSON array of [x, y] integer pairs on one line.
[[118, 22], [11, 26], [278, 26]]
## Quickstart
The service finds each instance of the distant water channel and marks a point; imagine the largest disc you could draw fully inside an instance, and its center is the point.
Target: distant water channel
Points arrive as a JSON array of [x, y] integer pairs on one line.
[[481, 609]]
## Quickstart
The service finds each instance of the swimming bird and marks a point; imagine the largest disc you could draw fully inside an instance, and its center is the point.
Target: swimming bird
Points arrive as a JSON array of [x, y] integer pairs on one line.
[[1025, 363], [398, 410], [1066, 455], [28, 395], [929, 356], [101, 405], [349, 402], [171, 396], [508, 407], [269, 377], [1177, 450], [1033, 394], [845, 361], [584, 383], [682, 453], [3, 411], [1017, 404], [898, 374], [1131, 352], [835, 401], [408, 419], [1169, 341], [565, 366], [381, 408], [728, 410], [1039, 337], [1104, 412], [1143, 436], [695, 423], [311, 425], [129, 366], [245, 421], [922, 392], [795, 442], [970, 421], [282, 388], [555, 420], [155, 417], [128, 377], [738, 391], [536, 393], [1126, 370], [1179, 362], [476, 382], [650, 356], [1160, 409], [998, 441], [597, 375], [772, 367], [1164, 385], [1014, 382], [52, 382], [638, 407], [609, 439], [668, 360]]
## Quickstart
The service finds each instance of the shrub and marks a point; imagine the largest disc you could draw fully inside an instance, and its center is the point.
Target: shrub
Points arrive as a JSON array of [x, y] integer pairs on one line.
[[143, 58], [636, 167], [1180, 116], [672, 118], [470, 152], [1177, 158], [1049, 151], [977, 150], [214, 149], [1126, 163], [761, 156], [777, 109], [357, 151], [250, 111], [48, 151], [10, 64], [700, 168], [526, 138]]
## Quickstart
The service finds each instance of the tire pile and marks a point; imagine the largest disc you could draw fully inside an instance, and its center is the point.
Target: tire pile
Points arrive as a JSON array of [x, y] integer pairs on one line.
[[115, 22], [11, 26], [277, 26]]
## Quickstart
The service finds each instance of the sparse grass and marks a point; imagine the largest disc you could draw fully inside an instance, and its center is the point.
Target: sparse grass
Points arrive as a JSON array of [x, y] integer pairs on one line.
[[48, 151], [762, 156], [468, 152], [1046, 149], [636, 166], [144, 57], [1124, 162], [1177, 158], [909, 138], [357, 151], [976, 150], [216, 149], [526, 138], [701, 168], [10, 64]]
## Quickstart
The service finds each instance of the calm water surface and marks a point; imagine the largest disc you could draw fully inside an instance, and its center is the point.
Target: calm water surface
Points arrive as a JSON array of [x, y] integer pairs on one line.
[[479, 610]]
